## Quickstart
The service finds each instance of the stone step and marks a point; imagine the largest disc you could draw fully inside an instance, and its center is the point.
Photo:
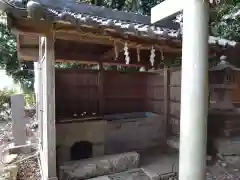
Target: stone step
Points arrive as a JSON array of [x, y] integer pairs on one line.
[[232, 123], [228, 146], [100, 166], [232, 132], [134, 174]]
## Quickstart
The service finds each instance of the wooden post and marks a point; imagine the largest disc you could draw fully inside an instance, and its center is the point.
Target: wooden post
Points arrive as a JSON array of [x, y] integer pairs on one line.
[[100, 89], [48, 153], [166, 96], [38, 93]]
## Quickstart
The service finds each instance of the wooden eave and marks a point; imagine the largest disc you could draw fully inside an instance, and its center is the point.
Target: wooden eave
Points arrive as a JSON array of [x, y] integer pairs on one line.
[[72, 29], [28, 32]]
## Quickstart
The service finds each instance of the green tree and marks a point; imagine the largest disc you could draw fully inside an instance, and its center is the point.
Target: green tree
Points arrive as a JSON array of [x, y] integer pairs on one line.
[[5, 113], [20, 72], [225, 23], [226, 20]]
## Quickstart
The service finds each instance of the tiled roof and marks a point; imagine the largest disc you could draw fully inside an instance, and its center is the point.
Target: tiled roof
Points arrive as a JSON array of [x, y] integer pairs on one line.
[[137, 25], [223, 64]]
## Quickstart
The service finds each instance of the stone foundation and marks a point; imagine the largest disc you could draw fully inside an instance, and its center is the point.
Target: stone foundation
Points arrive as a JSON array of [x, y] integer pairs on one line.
[[111, 136], [134, 134], [68, 134]]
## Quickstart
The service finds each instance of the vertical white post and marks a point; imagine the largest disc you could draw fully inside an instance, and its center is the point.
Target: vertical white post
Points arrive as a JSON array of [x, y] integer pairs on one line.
[[194, 91], [38, 92], [18, 119], [47, 62]]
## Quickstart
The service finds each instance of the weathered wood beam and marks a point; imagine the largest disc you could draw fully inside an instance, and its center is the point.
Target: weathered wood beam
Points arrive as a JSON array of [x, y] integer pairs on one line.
[[29, 26], [32, 54], [48, 152], [29, 54], [40, 28], [111, 53], [74, 36]]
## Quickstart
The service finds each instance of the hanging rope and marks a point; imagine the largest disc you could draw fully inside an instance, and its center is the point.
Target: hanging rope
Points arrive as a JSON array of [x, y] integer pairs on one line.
[[162, 57], [152, 56], [116, 50], [138, 54], [126, 53]]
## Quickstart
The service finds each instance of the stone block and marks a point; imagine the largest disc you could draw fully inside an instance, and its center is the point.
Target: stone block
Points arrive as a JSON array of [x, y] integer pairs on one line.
[[27, 148], [10, 172], [145, 132], [18, 119], [68, 134], [228, 146], [105, 165]]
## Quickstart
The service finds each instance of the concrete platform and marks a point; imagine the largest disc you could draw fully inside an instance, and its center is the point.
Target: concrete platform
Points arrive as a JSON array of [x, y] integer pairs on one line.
[[134, 174], [158, 164], [228, 146]]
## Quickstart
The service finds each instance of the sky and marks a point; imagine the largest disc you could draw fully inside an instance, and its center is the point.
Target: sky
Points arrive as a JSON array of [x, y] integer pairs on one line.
[[7, 82]]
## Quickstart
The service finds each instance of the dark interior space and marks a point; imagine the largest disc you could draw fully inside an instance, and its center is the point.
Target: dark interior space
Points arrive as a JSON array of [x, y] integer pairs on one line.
[[81, 150]]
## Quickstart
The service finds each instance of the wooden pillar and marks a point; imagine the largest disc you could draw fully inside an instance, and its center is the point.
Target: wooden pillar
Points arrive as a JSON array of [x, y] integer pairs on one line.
[[166, 96], [100, 89], [47, 63], [38, 93]]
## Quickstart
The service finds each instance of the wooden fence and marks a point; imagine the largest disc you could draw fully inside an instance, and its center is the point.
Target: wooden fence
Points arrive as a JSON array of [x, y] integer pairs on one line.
[[175, 97], [93, 92], [107, 92]]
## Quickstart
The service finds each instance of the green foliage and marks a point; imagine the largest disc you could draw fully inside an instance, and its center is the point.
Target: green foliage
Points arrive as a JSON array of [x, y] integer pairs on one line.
[[224, 27], [21, 73], [5, 113], [226, 20], [137, 6], [30, 99]]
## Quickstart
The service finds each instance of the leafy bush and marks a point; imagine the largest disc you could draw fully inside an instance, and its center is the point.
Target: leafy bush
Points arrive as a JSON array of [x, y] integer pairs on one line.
[[5, 110], [30, 99]]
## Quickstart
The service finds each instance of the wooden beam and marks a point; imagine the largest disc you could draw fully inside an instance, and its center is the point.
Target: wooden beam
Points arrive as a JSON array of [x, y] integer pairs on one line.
[[31, 26], [32, 54], [111, 53], [74, 36], [109, 40], [29, 54], [28, 26]]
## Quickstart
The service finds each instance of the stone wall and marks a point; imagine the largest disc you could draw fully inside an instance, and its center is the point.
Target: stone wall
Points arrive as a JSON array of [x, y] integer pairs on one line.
[[134, 134], [68, 134], [110, 137]]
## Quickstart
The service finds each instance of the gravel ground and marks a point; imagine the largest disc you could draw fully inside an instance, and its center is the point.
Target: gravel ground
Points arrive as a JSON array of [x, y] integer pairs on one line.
[[224, 168], [27, 163], [29, 168]]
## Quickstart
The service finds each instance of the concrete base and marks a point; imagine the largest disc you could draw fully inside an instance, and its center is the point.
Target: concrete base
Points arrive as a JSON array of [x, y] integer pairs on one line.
[[228, 146], [134, 174], [109, 136]]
